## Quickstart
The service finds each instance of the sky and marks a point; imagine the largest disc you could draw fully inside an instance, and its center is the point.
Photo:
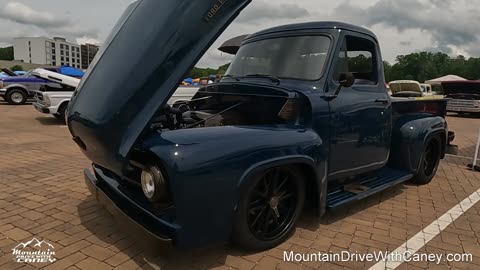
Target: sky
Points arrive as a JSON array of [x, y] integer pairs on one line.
[[402, 26]]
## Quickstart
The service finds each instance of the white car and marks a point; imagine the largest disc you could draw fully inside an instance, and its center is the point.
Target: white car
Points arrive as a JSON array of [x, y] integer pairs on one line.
[[53, 98]]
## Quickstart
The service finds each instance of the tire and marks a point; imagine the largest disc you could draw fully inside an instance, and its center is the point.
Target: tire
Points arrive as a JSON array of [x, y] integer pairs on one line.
[[16, 96], [61, 112], [270, 204], [429, 163]]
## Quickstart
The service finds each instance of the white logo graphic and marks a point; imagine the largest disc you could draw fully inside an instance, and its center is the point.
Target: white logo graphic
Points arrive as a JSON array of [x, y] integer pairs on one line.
[[34, 251]]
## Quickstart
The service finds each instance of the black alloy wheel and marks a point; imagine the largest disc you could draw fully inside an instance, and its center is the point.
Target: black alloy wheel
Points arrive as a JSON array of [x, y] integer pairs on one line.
[[431, 158], [270, 208], [429, 163]]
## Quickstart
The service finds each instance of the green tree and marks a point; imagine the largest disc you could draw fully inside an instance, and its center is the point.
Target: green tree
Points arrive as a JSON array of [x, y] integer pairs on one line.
[[16, 68], [6, 53]]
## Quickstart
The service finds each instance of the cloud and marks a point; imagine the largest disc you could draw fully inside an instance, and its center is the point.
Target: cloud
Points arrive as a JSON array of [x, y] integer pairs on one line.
[[23, 14], [262, 11], [45, 23], [86, 39], [448, 26]]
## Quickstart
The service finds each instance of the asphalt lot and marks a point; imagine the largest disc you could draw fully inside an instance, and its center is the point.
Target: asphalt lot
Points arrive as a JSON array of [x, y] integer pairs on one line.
[[42, 195]]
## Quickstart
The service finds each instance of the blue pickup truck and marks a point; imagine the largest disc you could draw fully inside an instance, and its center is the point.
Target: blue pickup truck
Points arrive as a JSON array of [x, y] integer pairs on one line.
[[16, 90], [301, 117]]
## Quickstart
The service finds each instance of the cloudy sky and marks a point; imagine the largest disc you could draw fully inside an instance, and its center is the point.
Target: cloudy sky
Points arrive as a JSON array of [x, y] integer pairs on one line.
[[403, 26]]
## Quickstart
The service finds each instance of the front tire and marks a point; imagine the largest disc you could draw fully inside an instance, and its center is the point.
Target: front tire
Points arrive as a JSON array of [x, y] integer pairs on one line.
[[429, 163], [61, 113], [269, 206], [16, 97]]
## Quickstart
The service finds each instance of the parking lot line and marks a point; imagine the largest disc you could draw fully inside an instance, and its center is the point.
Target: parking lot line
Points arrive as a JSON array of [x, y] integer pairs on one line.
[[418, 241]]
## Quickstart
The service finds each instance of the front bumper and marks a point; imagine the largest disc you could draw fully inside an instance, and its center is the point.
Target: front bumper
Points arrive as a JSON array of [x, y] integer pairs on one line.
[[3, 91], [41, 108], [108, 194]]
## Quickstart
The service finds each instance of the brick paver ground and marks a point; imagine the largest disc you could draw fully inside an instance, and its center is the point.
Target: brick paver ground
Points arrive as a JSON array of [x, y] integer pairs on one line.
[[42, 195]]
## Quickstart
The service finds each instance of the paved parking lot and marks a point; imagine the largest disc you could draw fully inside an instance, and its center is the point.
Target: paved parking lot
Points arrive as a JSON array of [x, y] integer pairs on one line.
[[42, 195]]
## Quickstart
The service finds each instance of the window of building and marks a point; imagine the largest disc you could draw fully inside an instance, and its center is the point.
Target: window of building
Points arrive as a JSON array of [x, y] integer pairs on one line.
[[62, 58]]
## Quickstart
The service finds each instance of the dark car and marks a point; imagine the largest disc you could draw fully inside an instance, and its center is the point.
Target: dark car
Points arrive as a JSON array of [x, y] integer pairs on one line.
[[16, 90], [464, 96], [294, 120]]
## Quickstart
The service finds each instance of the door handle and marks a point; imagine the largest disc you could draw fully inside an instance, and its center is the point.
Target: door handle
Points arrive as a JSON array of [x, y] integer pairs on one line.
[[382, 100]]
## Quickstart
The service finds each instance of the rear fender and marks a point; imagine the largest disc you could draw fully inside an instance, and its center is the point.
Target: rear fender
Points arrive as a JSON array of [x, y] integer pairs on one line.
[[409, 138]]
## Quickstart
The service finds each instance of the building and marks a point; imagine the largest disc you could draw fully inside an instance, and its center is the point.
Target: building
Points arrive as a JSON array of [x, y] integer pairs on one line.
[[45, 51], [88, 53]]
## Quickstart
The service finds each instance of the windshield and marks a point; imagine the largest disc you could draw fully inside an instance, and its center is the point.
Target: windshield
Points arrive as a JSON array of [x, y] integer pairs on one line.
[[299, 57]]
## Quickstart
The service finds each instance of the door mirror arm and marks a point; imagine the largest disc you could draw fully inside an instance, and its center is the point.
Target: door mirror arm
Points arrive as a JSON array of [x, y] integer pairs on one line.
[[346, 80]]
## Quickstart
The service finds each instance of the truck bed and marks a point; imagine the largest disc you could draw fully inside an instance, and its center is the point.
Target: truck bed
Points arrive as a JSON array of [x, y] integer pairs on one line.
[[433, 105]]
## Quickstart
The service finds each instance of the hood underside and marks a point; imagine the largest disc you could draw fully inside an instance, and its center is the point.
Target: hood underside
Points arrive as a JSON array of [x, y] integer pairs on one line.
[[469, 90], [154, 44]]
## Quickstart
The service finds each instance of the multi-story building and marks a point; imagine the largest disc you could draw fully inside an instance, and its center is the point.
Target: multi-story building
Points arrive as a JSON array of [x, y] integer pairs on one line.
[[45, 51], [88, 53]]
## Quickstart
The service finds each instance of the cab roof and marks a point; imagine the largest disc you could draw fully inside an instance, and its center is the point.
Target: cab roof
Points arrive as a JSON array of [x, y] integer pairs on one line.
[[314, 26]]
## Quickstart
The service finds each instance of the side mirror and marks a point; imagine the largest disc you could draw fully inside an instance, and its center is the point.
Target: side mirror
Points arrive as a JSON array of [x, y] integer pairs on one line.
[[346, 80]]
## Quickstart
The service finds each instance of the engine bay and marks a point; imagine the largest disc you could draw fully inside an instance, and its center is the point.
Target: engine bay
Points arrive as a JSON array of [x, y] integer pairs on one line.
[[222, 109]]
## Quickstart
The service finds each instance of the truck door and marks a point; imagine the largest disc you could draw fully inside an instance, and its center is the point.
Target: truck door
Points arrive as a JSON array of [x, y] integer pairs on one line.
[[361, 114]]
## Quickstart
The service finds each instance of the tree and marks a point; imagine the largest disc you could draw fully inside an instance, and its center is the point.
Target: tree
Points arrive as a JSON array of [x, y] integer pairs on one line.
[[16, 68], [6, 53]]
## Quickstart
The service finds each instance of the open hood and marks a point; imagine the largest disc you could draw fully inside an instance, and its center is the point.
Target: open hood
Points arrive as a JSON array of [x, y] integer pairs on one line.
[[56, 77], [462, 89], [151, 48], [9, 72]]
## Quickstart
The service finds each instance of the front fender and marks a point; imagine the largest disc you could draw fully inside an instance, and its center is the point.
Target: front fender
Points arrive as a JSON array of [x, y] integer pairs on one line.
[[16, 85], [410, 134], [207, 166]]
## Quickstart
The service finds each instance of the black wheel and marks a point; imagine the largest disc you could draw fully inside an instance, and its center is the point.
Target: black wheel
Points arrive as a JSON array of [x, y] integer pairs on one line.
[[269, 207], [429, 163], [16, 97], [61, 112]]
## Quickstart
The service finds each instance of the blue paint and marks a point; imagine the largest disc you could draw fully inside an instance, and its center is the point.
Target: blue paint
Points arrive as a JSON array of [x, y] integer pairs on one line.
[[360, 131]]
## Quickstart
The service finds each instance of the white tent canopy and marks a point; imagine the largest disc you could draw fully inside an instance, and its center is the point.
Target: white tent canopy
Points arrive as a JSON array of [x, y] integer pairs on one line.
[[445, 79]]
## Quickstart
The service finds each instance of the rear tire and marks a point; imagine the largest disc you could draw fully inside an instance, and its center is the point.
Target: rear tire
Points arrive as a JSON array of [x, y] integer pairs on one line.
[[270, 205], [429, 163], [16, 97]]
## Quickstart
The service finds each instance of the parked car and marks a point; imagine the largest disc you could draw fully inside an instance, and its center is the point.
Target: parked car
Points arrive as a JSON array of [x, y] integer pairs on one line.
[[55, 94], [17, 90], [291, 122], [427, 89], [464, 95], [406, 88]]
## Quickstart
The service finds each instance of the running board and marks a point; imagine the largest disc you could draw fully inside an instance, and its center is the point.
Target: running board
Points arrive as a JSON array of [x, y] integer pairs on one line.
[[384, 179]]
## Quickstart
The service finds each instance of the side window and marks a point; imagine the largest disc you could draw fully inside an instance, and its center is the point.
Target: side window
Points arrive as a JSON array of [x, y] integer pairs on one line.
[[358, 56]]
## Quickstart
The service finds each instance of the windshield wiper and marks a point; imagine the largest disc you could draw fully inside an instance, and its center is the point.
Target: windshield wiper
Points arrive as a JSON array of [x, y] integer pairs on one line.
[[272, 78]]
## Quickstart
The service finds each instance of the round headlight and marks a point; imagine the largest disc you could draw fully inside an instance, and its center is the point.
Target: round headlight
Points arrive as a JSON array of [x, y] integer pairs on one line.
[[153, 184]]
